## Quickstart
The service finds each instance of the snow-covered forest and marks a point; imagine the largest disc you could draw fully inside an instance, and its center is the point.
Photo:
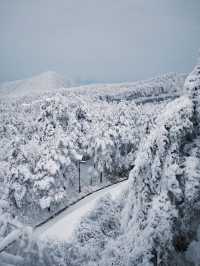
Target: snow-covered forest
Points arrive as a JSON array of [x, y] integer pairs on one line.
[[99, 133], [147, 131], [43, 138]]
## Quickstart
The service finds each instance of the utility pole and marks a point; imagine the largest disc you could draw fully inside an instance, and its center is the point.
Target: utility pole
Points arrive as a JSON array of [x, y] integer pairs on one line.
[[101, 177], [79, 177]]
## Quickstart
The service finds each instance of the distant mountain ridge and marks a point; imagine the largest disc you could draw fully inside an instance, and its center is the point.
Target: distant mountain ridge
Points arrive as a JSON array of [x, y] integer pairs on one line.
[[44, 82], [168, 84], [51, 82]]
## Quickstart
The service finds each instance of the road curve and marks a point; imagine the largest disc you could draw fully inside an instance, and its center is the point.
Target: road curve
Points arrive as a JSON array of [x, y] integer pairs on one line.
[[62, 226]]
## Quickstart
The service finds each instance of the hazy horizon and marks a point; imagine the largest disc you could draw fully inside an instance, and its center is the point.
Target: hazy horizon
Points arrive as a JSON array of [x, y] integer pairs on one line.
[[98, 41]]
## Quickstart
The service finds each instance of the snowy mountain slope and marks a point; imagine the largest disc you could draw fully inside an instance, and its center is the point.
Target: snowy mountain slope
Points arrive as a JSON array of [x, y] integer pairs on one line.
[[171, 83], [147, 217], [38, 140], [39, 137], [48, 81], [40, 131], [154, 222], [144, 226], [51, 82]]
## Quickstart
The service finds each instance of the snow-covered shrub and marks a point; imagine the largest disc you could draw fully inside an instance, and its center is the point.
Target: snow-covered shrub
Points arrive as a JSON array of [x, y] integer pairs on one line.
[[13, 234]]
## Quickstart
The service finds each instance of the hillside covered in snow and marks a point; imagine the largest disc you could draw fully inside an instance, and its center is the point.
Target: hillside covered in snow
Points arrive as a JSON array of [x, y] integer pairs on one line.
[[156, 221], [50, 82], [43, 136], [47, 81], [170, 84], [156, 143]]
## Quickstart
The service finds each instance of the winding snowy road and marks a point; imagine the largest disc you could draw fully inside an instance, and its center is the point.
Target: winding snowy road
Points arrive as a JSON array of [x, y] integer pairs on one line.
[[62, 226]]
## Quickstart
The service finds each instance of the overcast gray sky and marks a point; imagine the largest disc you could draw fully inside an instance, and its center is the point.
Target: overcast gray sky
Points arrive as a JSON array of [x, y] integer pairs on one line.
[[100, 40]]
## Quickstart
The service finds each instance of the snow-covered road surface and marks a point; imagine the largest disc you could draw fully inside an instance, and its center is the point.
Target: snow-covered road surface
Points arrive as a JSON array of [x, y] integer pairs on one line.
[[62, 226]]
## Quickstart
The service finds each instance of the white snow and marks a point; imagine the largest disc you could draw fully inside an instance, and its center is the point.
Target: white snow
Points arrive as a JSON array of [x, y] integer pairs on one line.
[[47, 81], [192, 253], [63, 225], [10, 238], [9, 259]]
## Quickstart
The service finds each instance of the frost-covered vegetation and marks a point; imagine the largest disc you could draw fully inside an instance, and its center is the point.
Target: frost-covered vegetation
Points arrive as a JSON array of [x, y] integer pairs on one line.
[[144, 228], [44, 137], [42, 142], [154, 220]]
